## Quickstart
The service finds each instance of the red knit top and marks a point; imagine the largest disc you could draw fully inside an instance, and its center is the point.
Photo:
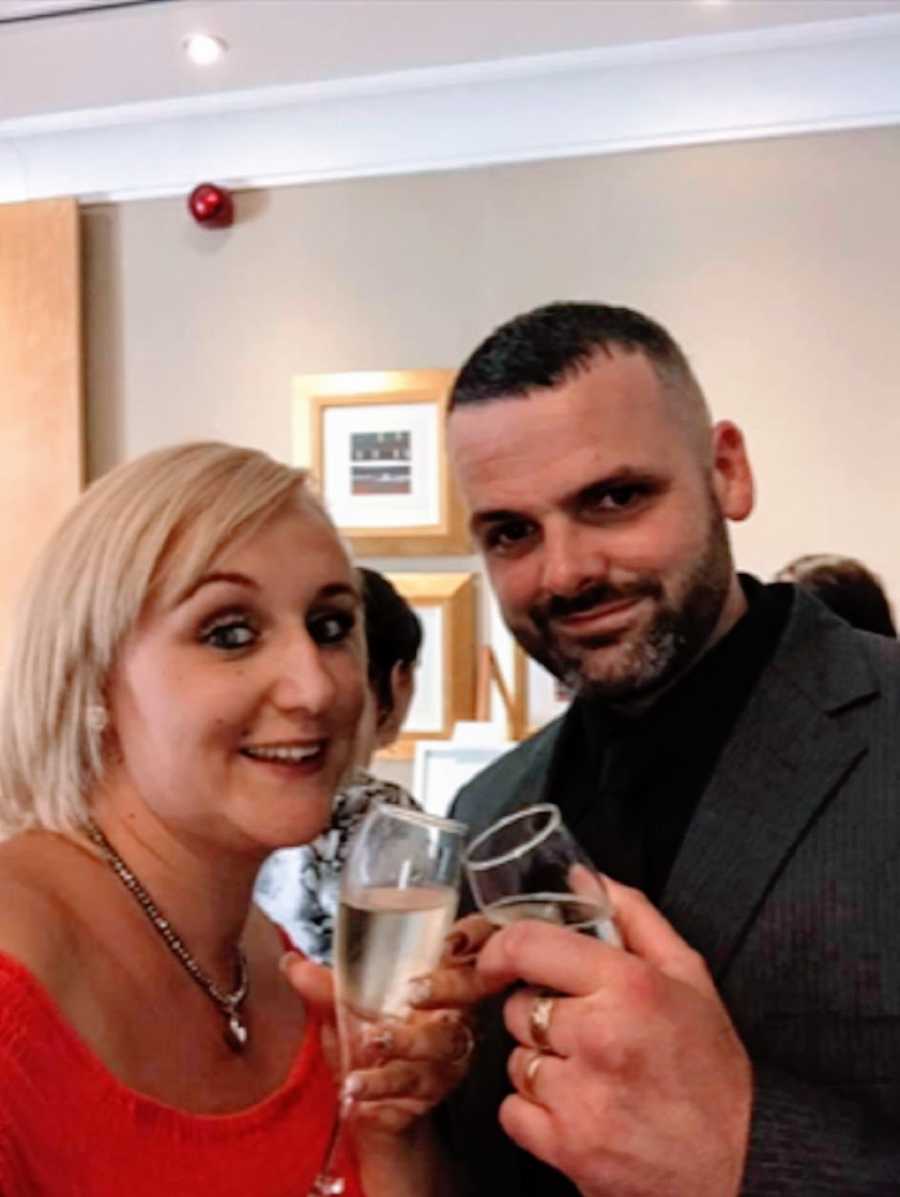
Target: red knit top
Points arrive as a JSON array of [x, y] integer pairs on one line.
[[69, 1128]]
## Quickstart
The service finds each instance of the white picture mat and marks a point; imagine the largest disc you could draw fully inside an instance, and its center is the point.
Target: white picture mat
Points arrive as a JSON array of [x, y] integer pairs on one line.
[[504, 649], [426, 712], [422, 506], [442, 767], [543, 705]]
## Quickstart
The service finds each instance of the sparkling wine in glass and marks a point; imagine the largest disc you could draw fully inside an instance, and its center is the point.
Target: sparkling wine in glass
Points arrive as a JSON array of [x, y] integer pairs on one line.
[[528, 866], [399, 892]]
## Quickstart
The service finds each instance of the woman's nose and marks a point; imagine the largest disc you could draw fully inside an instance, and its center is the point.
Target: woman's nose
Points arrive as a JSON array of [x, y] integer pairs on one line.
[[302, 679]]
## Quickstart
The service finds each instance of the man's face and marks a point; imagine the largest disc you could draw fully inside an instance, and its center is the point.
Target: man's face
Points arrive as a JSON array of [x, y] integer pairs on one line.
[[601, 521]]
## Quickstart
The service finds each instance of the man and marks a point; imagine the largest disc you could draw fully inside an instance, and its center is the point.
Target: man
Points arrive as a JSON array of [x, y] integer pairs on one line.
[[732, 752]]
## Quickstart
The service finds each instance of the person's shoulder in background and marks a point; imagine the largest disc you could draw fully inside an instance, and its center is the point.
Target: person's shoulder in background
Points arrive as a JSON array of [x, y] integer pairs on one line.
[[363, 790], [846, 587]]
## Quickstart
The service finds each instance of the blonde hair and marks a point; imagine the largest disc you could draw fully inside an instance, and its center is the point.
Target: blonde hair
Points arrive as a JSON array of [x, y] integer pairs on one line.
[[148, 528]]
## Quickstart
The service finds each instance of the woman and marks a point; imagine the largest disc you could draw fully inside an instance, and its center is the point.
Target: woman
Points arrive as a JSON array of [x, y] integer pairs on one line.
[[299, 887], [182, 698]]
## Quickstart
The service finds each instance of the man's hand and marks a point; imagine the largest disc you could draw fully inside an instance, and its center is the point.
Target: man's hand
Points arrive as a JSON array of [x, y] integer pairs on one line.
[[643, 1088]]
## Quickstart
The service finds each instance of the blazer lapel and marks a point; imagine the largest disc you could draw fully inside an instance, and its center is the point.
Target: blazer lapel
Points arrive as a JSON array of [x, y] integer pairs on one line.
[[788, 754]]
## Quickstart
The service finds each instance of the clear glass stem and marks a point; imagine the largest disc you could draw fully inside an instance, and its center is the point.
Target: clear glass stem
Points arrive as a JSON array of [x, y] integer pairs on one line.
[[327, 1182]]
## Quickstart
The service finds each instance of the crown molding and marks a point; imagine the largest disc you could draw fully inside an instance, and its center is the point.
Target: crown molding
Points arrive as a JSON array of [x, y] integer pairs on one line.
[[775, 82]]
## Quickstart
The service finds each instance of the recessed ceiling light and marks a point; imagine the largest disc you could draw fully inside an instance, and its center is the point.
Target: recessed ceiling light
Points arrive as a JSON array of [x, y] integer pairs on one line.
[[203, 49]]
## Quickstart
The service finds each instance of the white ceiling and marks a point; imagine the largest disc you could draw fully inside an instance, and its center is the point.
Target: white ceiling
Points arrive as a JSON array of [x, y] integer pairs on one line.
[[108, 53], [100, 102]]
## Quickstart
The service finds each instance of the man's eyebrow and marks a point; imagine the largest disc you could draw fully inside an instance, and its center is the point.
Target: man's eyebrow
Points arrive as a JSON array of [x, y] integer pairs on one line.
[[621, 476], [480, 519], [627, 476]]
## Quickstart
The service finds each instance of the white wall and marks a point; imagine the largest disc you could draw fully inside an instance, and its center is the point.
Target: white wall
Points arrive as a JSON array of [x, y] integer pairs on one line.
[[775, 263]]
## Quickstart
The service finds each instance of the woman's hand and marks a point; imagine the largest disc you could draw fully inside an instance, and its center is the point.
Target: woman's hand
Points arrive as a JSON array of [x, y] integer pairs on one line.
[[404, 1069]]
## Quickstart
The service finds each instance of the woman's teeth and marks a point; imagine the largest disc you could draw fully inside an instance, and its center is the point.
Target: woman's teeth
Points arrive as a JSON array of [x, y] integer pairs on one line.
[[290, 755]]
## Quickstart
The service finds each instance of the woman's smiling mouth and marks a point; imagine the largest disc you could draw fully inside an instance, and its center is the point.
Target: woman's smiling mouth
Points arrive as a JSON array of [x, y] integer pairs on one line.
[[284, 754]]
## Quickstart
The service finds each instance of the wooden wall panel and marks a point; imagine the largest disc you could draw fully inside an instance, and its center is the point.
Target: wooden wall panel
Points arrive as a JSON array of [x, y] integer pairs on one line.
[[41, 437]]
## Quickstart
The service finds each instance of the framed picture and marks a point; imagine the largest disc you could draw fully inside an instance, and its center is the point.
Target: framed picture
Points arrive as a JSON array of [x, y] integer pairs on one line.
[[376, 444], [445, 676], [509, 661], [540, 696], [440, 770]]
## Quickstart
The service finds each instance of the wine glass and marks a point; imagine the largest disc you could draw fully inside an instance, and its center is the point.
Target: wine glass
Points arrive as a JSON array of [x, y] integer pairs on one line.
[[528, 866], [399, 892]]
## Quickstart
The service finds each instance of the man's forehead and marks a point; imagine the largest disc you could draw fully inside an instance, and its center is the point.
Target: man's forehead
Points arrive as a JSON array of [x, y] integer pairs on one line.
[[611, 394]]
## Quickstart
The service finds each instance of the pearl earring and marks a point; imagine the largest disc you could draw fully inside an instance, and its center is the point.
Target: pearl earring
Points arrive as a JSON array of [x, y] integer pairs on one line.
[[97, 718]]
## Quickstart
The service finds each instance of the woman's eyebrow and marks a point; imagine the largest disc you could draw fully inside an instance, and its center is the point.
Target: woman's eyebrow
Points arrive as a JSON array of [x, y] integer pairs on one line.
[[230, 579], [336, 589]]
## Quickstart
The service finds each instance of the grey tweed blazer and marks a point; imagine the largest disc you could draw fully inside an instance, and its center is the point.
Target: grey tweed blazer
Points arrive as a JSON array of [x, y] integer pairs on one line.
[[788, 883]]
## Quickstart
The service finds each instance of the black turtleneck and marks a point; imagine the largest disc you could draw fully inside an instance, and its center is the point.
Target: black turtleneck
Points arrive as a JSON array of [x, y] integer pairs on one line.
[[628, 786]]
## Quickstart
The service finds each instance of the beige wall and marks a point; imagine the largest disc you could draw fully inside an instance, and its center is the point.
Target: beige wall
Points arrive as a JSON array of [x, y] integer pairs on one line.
[[776, 263]]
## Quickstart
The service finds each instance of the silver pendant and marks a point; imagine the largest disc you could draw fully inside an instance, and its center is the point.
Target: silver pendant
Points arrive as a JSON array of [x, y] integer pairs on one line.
[[236, 1033]]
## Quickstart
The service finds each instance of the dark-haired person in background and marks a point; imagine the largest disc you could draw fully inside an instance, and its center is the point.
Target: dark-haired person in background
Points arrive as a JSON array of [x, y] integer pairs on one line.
[[846, 587], [298, 887], [731, 755]]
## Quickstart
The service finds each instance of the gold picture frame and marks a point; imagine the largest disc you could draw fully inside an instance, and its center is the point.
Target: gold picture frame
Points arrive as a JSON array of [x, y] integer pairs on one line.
[[377, 446], [445, 675]]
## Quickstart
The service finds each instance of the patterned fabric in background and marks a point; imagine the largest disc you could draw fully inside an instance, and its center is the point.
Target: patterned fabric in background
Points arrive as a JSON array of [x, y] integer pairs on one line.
[[299, 887]]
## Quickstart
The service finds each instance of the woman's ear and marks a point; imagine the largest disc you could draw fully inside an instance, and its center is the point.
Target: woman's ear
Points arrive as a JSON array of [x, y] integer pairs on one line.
[[391, 720]]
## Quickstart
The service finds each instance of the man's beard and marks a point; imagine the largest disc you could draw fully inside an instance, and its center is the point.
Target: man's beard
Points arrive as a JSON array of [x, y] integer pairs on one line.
[[679, 632]]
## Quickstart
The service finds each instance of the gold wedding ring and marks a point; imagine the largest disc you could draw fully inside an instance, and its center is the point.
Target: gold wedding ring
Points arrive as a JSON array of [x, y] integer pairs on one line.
[[539, 1021], [529, 1077], [461, 1058]]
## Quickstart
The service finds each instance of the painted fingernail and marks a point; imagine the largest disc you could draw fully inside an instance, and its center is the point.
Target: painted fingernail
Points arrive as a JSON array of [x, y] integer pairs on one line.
[[457, 944], [380, 1041], [418, 991], [352, 1087]]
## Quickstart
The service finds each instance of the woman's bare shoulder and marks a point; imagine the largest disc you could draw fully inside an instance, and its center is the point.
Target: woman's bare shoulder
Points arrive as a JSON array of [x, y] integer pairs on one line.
[[36, 923]]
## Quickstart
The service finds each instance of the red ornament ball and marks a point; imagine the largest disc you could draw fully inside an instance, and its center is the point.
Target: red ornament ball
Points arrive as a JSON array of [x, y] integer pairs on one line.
[[211, 206]]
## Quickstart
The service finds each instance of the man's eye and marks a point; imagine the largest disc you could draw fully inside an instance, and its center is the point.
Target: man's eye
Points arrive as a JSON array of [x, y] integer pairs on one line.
[[508, 535], [333, 627], [229, 634], [618, 498]]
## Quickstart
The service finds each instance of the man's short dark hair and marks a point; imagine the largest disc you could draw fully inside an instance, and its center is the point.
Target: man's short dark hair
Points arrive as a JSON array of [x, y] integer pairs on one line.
[[393, 633], [846, 587], [542, 348]]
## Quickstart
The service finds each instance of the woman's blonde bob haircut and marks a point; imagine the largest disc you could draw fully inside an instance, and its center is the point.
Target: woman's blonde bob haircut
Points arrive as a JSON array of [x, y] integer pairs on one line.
[[147, 529]]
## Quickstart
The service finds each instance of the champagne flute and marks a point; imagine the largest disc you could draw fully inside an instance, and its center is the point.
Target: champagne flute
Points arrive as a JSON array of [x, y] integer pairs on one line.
[[528, 866], [399, 892]]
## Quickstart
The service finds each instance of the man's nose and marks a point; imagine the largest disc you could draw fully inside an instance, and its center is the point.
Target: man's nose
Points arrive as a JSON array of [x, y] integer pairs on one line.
[[571, 560]]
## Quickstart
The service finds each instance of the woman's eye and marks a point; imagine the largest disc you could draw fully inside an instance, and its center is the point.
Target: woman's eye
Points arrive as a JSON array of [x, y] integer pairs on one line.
[[230, 634], [333, 627]]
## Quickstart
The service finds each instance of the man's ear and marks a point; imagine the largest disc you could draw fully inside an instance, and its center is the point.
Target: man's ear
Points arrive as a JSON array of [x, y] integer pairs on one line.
[[732, 477], [391, 720]]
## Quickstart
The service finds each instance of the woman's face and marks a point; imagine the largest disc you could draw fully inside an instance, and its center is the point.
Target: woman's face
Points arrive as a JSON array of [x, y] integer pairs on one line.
[[235, 708]]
